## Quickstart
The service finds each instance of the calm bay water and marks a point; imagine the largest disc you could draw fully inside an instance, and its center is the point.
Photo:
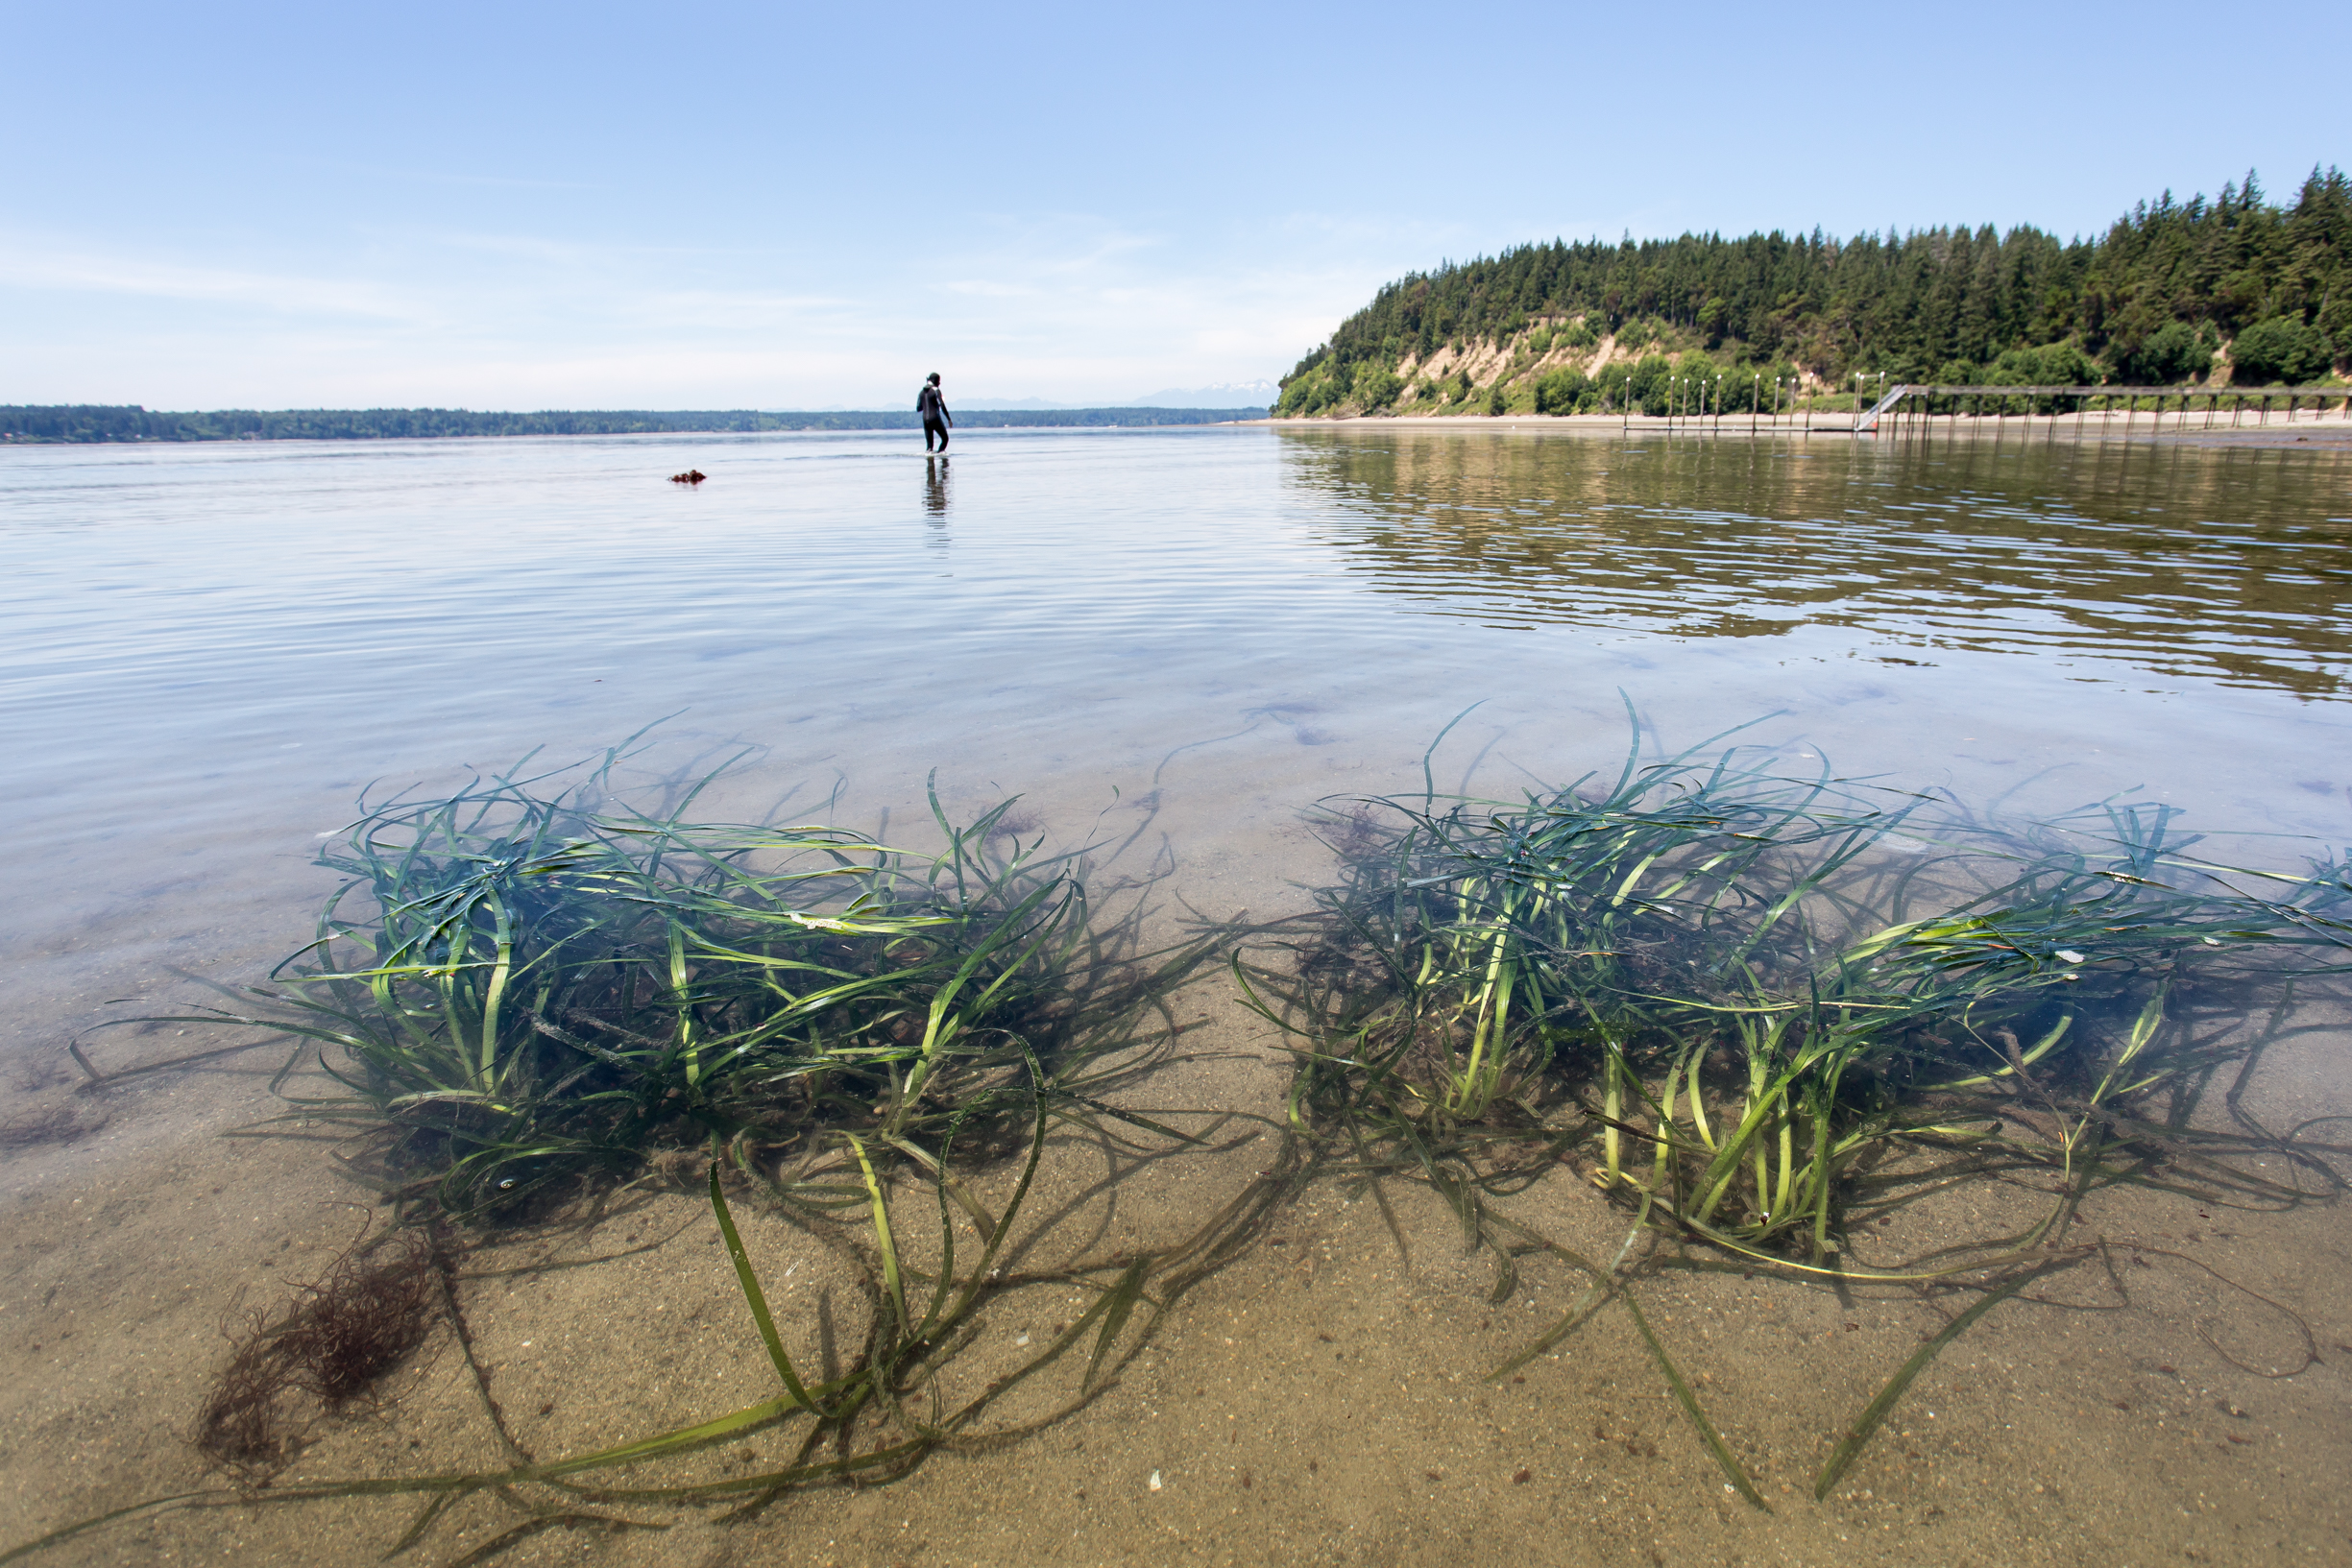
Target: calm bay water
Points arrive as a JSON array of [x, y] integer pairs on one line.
[[210, 650], [1174, 643]]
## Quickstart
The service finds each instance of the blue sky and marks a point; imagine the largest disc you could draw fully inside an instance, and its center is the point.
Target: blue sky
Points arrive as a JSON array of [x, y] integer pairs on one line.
[[778, 207]]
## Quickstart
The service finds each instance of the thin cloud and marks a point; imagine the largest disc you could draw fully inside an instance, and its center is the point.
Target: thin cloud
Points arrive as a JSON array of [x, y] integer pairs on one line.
[[1064, 306], [32, 265]]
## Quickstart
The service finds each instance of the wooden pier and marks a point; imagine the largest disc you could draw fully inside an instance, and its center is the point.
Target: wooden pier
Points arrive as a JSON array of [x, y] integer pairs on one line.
[[2149, 408], [1908, 406]]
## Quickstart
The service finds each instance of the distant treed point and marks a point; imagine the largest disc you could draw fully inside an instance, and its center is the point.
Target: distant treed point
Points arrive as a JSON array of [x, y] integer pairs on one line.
[[2229, 292], [105, 422]]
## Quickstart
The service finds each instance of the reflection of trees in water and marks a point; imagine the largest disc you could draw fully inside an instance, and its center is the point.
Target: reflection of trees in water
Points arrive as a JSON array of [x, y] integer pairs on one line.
[[2186, 562]]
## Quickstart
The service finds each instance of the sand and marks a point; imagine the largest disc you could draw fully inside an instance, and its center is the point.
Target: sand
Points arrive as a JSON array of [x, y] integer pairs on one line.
[[1321, 1399]]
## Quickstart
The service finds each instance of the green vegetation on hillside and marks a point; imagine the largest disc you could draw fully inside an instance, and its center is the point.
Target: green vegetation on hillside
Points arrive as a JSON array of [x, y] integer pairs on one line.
[[2171, 291], [103, 422]]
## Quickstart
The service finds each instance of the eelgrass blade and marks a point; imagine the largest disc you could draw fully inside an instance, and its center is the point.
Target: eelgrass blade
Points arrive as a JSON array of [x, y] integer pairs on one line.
[[982, 1222], [892, 1458], [1121, 1304], [1003, 1229], [1506, 1277], [83, 1527], [1849, 1447], [1715, 1445], [701, 1433], [1604, 1284], [1586, 1305], [1429, 779], [1198, 1141], [539, 1525], [946, 1282], [756, 1298], [89, 1069], [893, 1286], [432, 1511]]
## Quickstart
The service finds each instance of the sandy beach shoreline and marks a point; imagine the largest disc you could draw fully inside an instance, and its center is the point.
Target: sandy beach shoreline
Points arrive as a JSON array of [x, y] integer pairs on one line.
[[2333, 425]]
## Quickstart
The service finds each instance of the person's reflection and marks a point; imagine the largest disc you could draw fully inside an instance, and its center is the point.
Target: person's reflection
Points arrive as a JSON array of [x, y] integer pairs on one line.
[[935, 490]]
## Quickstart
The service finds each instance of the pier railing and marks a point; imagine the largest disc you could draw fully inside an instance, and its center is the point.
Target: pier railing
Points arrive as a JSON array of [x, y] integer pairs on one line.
[[1797, 409], [2184, 406]]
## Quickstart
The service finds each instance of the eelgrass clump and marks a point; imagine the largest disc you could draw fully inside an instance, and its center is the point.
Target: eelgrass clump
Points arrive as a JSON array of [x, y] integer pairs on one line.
[[1722, 975], [1758, 1008], [516, 990]]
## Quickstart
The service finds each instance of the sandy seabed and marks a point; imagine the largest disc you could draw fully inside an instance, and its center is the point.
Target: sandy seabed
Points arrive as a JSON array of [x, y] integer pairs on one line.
[[1322, 1398]]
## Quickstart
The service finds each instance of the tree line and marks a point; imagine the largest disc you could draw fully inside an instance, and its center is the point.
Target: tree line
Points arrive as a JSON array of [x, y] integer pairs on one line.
[[2170, 290], [130, 423]]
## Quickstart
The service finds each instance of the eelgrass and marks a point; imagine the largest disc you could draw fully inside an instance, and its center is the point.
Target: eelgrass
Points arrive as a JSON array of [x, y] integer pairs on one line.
[[1759, 1007], [514, 990], [1710, 982]]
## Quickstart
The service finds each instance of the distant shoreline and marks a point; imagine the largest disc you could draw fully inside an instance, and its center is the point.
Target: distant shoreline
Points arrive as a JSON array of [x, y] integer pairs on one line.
[[131, 425]]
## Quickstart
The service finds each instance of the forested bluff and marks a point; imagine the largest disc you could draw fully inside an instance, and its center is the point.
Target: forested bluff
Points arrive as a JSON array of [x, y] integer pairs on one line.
[[2235, 290]]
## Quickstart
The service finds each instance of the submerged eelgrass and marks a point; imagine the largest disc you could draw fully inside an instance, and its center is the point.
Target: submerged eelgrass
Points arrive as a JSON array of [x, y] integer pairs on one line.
[[514, 990], [1710, 982], [1760, 1009]]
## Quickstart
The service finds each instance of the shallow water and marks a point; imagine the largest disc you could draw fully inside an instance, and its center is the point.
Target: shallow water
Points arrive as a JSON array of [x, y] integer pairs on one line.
[[1187, 636], [211, 649]]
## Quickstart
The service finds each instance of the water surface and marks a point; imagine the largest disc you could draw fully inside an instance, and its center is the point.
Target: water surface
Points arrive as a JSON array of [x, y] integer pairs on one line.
[[211, 649], [1186, 636]]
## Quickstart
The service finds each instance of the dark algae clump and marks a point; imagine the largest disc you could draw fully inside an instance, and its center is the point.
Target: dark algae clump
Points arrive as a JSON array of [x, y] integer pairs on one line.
[[348, 1329]]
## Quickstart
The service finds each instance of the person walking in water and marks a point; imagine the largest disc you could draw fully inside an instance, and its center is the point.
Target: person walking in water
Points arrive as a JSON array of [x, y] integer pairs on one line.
[[933, 408]]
